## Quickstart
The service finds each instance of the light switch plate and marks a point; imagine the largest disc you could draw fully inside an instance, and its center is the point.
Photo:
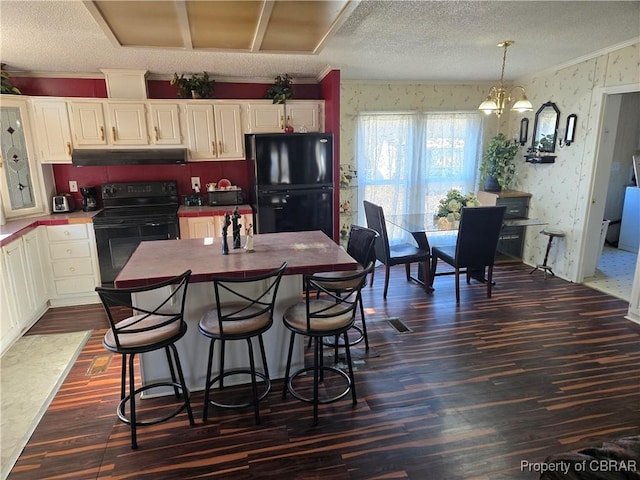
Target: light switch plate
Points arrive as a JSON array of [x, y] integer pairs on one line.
[[195, 182], [73, 186]]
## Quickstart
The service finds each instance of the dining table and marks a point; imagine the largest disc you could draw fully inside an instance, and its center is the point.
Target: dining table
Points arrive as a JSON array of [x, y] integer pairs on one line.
[[153, 261], [423, 225]]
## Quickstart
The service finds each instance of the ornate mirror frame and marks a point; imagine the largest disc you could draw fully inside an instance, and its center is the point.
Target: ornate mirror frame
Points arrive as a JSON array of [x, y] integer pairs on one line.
[[545, 128]]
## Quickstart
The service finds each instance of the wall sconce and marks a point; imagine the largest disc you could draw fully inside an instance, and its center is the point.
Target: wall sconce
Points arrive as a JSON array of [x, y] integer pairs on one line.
[[524, 131], [570, 131]]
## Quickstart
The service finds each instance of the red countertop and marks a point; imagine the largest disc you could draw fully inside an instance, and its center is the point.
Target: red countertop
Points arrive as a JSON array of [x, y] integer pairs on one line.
[[304, 252], [16, 228]]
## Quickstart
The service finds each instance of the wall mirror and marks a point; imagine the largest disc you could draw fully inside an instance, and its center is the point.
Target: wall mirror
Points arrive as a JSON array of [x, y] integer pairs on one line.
[[545, 128]]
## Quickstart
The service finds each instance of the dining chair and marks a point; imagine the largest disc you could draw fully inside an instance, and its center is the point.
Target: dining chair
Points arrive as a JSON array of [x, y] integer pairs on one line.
[[397, 254], [360, 246], [332, 314], [135, 329], [243, 311], [475, 248]]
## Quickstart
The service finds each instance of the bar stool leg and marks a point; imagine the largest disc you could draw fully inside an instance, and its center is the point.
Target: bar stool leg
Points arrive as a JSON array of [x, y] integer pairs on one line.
[[544, 267]]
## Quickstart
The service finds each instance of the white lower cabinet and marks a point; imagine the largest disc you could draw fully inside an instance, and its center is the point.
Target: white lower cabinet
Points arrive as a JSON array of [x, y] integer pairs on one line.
[[73, 264], [23, 285], [211, 226]]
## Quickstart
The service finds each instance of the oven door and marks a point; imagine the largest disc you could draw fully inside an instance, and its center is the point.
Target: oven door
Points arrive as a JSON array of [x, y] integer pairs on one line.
[[117, 243]]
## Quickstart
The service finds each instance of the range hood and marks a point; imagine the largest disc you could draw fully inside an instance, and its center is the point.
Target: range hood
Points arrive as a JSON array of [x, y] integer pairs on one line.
[[143, 156]]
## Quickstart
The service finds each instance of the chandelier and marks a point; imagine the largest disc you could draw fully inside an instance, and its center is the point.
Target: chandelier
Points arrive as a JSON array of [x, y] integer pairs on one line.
[[498, 96]]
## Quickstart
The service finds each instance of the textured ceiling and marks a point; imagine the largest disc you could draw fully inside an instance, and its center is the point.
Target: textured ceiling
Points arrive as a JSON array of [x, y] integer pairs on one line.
[[379, 40]]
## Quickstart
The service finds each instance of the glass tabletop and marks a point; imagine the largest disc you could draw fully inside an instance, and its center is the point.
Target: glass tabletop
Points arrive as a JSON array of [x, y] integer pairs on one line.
[[424, 222]]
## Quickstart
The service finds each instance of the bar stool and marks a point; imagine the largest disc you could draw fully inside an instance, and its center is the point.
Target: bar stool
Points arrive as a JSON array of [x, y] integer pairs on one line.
[[243, 311], [551, 233], [137, 328]]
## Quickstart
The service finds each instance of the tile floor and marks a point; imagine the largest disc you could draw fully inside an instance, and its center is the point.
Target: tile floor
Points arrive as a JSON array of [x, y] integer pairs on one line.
[[614, 273]]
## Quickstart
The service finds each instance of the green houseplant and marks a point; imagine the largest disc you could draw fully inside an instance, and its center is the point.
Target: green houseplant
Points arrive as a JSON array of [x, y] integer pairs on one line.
[[194, 86], [497, 170], [281, 90], [5, 85]]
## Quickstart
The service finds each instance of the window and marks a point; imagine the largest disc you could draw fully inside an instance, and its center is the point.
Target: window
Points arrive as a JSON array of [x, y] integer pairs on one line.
[[407, 162]]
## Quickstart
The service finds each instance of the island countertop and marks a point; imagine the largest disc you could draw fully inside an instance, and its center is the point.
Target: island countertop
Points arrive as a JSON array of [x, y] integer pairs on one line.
[[304, 252]]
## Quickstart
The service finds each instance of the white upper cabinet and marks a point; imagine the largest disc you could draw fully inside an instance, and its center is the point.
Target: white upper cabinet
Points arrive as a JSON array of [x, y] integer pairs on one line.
[[306, 115], [164, 122], [123, 124], [214, 131], [263, 116], [128, 123], [53, 133], [89, 127]]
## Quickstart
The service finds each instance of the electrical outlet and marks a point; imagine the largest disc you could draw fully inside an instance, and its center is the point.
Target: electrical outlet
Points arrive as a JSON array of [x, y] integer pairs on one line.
[[195, 182], [73, 186]]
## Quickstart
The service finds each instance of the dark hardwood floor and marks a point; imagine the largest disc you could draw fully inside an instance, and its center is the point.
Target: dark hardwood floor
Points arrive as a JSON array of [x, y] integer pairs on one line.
[[468, 393]]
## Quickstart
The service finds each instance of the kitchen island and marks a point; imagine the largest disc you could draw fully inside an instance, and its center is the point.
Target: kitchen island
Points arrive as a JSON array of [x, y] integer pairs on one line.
[[151, 262]]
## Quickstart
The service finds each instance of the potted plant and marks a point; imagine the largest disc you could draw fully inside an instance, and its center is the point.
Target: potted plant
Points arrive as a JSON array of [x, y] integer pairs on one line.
[[498, 169], [194, 86], [5, 85], [281, 90]]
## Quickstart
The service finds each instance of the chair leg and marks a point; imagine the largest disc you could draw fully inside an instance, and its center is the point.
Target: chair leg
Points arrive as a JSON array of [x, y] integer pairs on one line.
[[350, 367], [407, 271], [373, 271], [489, 280], [387, 272], [364, 323], [432, 271], [457, 275], [123, 377], [172, 371], [254, 386], [185, 390], [426, 272], [288, 367], [132, 403], [207, 384], [316, 377]]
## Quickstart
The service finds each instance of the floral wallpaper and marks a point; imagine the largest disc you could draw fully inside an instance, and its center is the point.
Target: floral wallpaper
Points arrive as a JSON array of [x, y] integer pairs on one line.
[[560, 191]]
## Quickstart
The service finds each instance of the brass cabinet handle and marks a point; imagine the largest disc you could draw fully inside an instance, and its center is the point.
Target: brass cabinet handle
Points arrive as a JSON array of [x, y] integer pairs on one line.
[[113, 132], [155, 129], [69, 148], [213, 148], [220, 150], [102, 133], [282, 122]]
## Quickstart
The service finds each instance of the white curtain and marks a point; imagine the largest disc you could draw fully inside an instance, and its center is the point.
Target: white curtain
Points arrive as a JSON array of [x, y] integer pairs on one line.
[[407, 162]]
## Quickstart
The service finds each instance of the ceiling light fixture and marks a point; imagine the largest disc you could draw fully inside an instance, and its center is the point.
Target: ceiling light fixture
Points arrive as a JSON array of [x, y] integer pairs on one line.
[[498, 97]]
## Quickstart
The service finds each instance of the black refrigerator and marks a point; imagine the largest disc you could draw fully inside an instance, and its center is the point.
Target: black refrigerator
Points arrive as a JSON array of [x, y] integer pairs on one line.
[[293, 175]]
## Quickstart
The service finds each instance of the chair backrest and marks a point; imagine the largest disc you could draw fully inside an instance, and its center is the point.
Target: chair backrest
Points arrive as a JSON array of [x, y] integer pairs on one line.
[[340, 304], [361, 244], [166, 302], [375, 221], [478, 235], [241, 298]]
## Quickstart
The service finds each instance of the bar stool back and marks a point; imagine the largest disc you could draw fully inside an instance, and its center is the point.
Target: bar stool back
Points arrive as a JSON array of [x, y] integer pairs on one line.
[[140, 329]]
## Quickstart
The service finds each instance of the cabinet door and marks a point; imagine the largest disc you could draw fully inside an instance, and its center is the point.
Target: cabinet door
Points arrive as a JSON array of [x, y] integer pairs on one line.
[[265, 118], [229, 139], [165, 124], [305, 115], [53, 133], [18, 281], [33, 249], [88, 123], [128, 123], [9, 330], [200, 132], [201, 227]]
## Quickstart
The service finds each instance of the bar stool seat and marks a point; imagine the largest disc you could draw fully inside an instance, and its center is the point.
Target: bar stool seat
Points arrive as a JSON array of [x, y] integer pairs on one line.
[[551, 233]]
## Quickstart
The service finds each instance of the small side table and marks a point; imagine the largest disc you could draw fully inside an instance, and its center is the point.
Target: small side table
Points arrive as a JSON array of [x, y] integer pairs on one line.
[[544, 267]]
